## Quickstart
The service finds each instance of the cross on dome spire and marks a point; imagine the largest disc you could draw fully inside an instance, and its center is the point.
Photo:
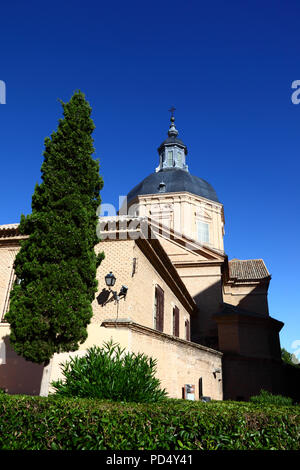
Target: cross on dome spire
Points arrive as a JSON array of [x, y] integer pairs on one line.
[[172, 109], [172, 131]]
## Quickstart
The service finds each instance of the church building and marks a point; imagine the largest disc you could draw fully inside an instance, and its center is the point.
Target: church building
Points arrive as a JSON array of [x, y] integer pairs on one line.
[[167, 288]]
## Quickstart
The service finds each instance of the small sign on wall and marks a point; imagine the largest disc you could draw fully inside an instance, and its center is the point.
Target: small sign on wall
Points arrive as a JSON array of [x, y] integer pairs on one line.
[[189, 392]]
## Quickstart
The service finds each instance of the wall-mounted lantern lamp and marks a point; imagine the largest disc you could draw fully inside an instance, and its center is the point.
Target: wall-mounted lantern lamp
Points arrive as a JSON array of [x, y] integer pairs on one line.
[[110, 281]]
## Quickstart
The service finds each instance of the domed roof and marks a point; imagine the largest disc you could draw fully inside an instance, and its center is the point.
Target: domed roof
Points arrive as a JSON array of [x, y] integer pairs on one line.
[[172, 175], [173, 180]]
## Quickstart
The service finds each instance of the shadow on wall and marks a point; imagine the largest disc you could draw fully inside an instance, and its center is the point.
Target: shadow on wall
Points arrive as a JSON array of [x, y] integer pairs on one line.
[[210, 301], [103, 297], [249, 340], [18, 376], [204, 329], [255, 301]]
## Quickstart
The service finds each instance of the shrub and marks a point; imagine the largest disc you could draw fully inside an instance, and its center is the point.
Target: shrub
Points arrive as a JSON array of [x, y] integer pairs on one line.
[[109, 373], [289, 358], [39, 423], [266, 398]]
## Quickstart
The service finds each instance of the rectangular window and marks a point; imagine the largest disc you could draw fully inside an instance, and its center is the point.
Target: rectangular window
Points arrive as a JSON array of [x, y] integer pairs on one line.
[[176, 322], [200, 388], [179, 159], [159, 309], [170, 158], [203, 232]]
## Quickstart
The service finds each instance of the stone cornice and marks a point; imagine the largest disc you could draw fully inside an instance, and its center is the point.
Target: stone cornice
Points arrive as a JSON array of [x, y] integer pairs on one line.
[[198, 263], [127, 323], [11, 242], [180, 196]]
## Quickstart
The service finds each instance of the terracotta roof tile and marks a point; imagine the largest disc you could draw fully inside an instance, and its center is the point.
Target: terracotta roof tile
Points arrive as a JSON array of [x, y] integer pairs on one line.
[[8, 226], [10, 231], [249, 269]]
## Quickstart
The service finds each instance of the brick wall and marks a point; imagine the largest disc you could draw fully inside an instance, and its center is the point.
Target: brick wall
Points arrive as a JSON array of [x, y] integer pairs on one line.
[[139, 302]]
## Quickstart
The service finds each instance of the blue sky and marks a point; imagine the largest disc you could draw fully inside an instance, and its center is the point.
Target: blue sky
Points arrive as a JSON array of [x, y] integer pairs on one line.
[[227, 66]]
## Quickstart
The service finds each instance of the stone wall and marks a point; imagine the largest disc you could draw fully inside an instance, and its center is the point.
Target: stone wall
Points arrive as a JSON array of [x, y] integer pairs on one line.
[[180, 362]]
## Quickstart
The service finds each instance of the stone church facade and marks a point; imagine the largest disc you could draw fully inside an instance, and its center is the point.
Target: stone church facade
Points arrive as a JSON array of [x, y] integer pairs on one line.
[[203, 317]]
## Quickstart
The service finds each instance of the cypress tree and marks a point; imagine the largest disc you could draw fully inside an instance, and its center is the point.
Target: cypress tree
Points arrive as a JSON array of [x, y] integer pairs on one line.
[[50, 306]]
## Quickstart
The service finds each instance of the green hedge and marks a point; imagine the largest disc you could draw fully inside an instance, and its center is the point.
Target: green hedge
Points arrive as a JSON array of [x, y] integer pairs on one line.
[[85, 424]]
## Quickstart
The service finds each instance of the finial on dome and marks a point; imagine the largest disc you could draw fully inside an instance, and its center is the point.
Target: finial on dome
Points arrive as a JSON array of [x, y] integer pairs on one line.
[[172, 109], [172, 131]]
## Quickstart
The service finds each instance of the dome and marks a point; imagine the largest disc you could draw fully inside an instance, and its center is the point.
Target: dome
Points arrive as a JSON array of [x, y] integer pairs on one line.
[[173, 180], [172, 175]]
